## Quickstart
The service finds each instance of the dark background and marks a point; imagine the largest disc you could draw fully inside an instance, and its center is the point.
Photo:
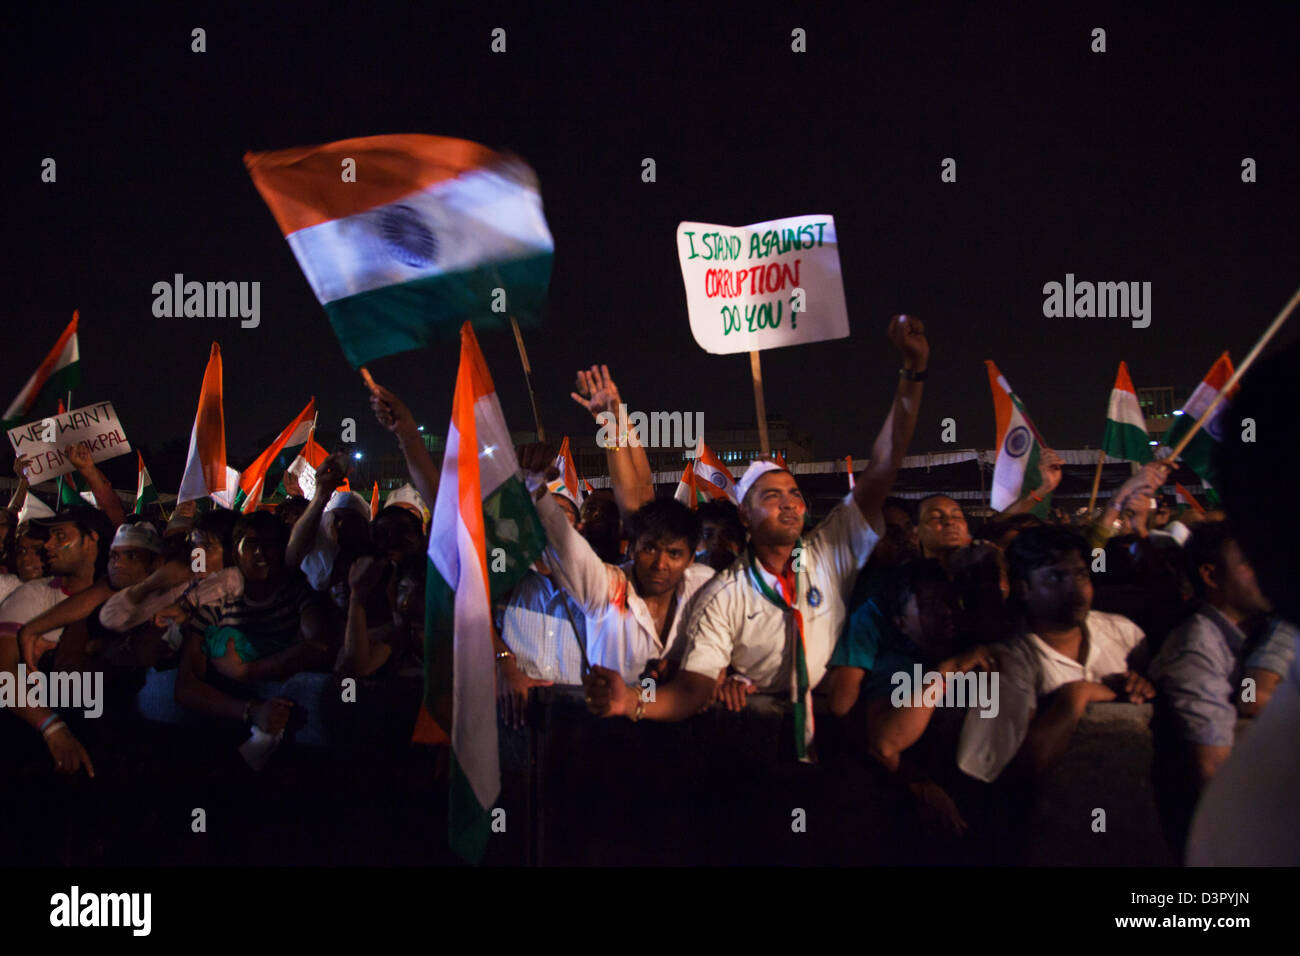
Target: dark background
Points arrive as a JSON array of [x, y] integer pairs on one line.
[[1119, 166]]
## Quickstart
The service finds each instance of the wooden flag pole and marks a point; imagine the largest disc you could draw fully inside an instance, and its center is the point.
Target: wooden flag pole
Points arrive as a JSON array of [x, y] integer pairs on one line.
[[756, 371], [1096, 480], [528, 378], [1241, 370]]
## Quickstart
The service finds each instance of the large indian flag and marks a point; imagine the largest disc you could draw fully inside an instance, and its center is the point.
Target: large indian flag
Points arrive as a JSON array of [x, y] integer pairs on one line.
[[1199, 453], [1126, 429], [57, 374], [1015, 472], [403, 238], [483, 515]]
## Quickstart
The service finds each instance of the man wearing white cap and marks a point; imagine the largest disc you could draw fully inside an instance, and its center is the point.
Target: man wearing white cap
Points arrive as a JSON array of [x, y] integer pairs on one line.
[[773, 617], [335, 522]]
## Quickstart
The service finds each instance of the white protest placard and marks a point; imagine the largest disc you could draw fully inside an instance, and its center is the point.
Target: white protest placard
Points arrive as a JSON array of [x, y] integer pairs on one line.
[[45, 441], [762, 286]]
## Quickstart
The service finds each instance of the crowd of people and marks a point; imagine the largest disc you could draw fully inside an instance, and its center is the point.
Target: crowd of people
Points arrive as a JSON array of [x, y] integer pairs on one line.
[[660, 610]]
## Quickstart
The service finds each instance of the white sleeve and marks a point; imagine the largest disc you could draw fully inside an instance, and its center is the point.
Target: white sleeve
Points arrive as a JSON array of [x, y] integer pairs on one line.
[[29, 600], [988, 743], [575, 566], [710, 636], [842, 543]]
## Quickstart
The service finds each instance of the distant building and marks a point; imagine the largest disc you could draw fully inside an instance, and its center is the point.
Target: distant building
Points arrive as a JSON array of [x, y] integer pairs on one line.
[[1158, 408]]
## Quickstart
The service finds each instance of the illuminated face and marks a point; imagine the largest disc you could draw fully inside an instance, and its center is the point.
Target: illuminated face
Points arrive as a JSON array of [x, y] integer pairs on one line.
[[943, 527], [30, 557], [69, 550], [774, 510], [659, 565], [128, 566]]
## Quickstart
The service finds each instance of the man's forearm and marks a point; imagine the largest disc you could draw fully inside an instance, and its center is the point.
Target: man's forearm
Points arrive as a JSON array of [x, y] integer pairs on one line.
[[629, 476], [1049, 736], [105, 496], [890, 447], [682, 698], [303, 537], [420, 465]]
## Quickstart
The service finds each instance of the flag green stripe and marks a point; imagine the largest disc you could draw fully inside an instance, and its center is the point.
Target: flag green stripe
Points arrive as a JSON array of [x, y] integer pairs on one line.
[[469, 823], [514, 537], [59, 384], [430, 311], [1126, 441]]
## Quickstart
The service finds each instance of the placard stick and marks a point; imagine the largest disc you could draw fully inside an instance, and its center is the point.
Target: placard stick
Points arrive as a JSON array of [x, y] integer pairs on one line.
[[1241, 370], [1096, 480], [528, 377], [756, 370]]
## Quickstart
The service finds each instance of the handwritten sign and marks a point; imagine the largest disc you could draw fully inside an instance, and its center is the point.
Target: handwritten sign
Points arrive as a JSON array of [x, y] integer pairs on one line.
[[46, 442], [762, 286]]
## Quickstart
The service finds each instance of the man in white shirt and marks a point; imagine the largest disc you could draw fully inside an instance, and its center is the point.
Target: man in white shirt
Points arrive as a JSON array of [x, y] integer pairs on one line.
[[774, 615], [1066, 657]]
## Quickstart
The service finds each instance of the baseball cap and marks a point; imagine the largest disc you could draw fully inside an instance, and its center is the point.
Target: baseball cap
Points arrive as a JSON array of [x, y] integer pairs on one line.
[[87, 518]]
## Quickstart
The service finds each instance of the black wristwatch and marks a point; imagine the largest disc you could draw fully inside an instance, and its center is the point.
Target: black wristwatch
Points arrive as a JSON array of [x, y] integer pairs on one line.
[[914, 376]]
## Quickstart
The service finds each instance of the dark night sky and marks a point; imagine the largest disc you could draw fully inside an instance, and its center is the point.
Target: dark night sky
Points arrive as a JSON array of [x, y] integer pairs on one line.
[[1119, 166]]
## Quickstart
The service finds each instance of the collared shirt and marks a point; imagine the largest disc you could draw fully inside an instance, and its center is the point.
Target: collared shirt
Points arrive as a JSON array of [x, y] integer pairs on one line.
[[1030, 668], [732, 624], [538, 627], [1199, 673], [621, 631]]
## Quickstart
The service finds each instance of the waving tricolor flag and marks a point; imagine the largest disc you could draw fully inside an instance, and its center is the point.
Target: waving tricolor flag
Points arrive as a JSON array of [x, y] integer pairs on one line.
[[53, 378], [1015, 472], [1187, 498], [1199, 453], [1126, 429], [483, 509], [303, 468], [205, 467], [712, 476], [145, 493], [568, 482], [428, 232], [687, 489], [374, 501], [253, 480]]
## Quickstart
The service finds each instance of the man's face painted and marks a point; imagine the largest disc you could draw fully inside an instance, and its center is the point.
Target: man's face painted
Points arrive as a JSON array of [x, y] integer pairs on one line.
[[661, 564], [69, 551], [128, 566], [774, 510]]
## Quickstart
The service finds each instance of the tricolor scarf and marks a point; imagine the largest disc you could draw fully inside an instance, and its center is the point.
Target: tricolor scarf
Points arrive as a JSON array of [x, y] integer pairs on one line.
[[800, 692]]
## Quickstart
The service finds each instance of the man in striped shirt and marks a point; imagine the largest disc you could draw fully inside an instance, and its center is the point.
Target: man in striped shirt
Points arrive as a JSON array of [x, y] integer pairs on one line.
[[275, 629]]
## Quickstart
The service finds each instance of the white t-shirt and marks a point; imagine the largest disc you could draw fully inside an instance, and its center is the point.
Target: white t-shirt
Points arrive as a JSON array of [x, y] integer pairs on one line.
[[30, 600], [9, 583], [732, 623], [1028, 668]]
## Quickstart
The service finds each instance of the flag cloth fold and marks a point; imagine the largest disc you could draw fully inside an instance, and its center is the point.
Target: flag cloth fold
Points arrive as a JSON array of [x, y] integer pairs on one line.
[[1126, 429], [1019, 447], [253, 479], [429, 232], [1187, 498], [483, 514], [568, 483], [1199, 453], [205, 465], [303, 468], [145, 493], [687, 490], [711, 476], [57, 375]]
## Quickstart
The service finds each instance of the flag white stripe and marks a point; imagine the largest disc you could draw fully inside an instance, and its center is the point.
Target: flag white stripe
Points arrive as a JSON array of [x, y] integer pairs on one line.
[[452, 226], [1124, 409]]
